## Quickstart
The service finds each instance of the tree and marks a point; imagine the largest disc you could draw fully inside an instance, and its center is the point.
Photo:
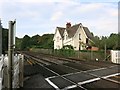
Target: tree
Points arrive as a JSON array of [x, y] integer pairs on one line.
[[112, 42], [35, 40], [97, 41], [18, 42], [46, 41], [4, 40], [25, 43]]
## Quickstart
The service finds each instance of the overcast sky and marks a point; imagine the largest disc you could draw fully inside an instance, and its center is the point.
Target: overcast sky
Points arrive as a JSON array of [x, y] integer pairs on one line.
[[43, 16]]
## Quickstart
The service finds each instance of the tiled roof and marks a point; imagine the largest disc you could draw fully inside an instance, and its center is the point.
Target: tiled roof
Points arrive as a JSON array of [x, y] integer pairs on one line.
[[72, 30], [61, 30], [89, 35]]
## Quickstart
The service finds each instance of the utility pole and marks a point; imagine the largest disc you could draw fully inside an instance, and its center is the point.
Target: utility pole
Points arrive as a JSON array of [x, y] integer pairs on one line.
[[11, 52], [0, 38]]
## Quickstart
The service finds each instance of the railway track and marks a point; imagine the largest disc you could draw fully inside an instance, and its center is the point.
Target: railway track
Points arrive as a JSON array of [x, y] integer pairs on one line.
[[67, 81], [67, 74]]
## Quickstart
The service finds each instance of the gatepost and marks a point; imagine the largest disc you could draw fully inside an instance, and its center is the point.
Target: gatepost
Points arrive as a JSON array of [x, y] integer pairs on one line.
[[11, 46], [0, 38]]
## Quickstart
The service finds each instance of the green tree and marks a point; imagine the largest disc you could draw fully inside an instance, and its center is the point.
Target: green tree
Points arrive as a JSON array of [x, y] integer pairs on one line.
[[18, 42], [112, 42], [4, 40], [46, 41], [25, 43], [35, 40], [103, 41], [97, 41]]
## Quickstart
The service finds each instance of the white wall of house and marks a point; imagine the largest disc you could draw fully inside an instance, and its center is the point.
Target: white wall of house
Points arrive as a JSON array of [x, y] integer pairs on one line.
[[67, 40], [65, 35], [58, 42], [115, 56], [83, 35], [79, 36], [76, 41]]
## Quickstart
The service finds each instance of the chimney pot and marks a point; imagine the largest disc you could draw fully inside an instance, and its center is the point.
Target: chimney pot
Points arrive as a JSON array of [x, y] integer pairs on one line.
[[68, 25]]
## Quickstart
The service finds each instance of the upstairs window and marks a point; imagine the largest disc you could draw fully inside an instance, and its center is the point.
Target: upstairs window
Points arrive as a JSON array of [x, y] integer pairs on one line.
[[66, 37], [86, 40], [116, 54], [79, 36], [63, 37]]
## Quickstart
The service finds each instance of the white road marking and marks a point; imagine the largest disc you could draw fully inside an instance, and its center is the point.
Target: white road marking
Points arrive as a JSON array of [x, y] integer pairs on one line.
[[84, 82], [101, 68], [110, 75], [52, 77], [64, 75], [88, 81], [52, 84], [95, 69], [71, 73], [113, 81], [114, 66], [69, 87]]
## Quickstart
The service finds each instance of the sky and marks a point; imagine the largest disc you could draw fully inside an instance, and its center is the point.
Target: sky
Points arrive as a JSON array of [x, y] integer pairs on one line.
[[43, 16]]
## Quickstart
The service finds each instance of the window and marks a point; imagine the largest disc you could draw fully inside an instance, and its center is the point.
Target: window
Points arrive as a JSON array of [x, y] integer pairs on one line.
[[63, 37], [116, 54], [86, 40], [66, 37], [79, 36]]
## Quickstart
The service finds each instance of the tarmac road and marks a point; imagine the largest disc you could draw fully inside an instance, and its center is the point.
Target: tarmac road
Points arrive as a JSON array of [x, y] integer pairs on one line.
[[71, 75]]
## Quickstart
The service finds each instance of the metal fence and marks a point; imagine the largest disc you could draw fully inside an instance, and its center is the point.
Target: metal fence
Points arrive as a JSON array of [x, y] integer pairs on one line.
[[17, 77], [83, 55]]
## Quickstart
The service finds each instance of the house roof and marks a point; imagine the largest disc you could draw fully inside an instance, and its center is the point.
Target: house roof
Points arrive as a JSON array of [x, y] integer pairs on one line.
[[73, 29], [61, 30], [88, 33]]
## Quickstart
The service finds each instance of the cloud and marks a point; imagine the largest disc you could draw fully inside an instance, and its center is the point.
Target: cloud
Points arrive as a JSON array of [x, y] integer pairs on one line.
[[56, 16], [88, 7], [40, 1], [113, 12], [36, 16]]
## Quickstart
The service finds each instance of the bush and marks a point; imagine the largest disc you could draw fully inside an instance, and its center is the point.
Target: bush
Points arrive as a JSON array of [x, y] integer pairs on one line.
[[64, 52]]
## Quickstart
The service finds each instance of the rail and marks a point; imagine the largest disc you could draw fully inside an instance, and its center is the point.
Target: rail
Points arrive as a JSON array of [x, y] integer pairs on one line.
[[42, 62]]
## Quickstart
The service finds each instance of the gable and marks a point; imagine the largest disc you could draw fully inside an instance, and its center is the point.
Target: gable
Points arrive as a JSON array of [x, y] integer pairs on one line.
[[88, 34], [61, 31], [72, 30], [57, 33]]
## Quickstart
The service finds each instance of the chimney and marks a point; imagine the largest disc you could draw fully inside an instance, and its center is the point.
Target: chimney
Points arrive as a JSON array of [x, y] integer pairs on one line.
[[68, 25]]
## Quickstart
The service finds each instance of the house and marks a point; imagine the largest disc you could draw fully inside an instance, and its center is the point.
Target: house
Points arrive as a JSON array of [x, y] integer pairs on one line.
[[77, 36]]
